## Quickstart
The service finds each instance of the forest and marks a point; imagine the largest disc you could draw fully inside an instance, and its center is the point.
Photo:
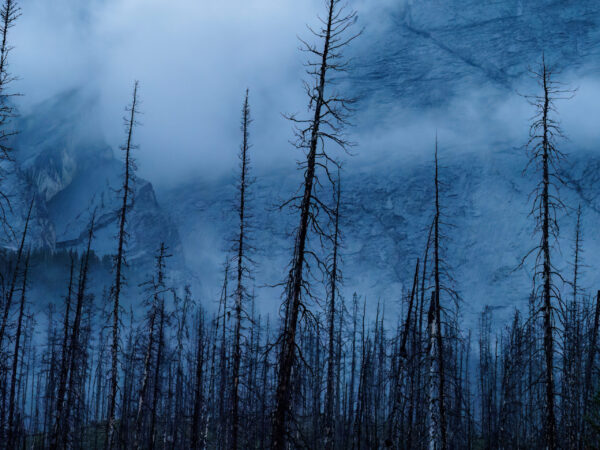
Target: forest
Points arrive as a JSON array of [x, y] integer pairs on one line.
[[163, 372]]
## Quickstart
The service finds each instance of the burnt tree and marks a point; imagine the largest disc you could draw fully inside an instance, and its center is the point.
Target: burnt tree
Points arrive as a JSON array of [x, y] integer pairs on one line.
[[545, 156], [120, 263], [240, 248], [329, 115]]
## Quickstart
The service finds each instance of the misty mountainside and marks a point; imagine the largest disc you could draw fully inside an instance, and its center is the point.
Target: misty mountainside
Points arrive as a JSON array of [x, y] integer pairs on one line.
[[426, 53], [65, 164], [386, 214]]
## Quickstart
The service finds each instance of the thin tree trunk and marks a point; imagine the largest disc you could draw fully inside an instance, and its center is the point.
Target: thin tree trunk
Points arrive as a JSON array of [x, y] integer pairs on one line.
[[437, 323], [119, 264], [11, 439], [64, 367], [239, 293], [550, 419], [296, 280], [197, 443], [13, 284], [331, 357]]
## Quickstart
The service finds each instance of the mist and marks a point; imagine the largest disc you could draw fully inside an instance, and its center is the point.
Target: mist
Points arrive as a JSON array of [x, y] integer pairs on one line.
[[195, 59]]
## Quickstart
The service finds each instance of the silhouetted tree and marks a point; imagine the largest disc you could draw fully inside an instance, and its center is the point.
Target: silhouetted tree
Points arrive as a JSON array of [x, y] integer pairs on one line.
[[9, 13], [334, 279], [546, 157], [120, 262], [12, 436], [240, 248], [328, 117]]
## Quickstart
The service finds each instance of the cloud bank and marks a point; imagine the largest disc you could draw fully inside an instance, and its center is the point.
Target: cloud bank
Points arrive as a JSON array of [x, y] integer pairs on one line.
[[195, 59]]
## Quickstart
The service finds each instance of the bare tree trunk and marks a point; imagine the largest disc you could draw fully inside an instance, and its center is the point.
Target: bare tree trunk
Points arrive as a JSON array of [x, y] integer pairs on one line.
[[75, 343], [223, 369], [11, 438], [9, 13], [241, 270], [145, 378], [587, 384], [407, 324], [127, 192], [550, 425], [13, 284], [325, 114], [331, 357], [64, 367], [436, 324], [157, 381], [197, 443], [157, 301]]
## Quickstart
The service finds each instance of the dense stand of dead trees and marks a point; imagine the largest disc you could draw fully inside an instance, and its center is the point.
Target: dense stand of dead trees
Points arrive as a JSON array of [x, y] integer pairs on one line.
[[358, 384], [327, 374]]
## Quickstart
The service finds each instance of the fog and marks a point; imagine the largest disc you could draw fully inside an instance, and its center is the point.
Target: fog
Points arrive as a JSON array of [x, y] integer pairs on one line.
[[194, 60]]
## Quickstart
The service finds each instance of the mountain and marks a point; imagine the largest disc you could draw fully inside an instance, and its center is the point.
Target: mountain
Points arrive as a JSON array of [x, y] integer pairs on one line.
[[63, 162], [421, 56], [387, 211]]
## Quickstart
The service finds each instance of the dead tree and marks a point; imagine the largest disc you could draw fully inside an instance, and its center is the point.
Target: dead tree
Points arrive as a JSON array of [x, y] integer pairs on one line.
[[408, 322], [196, 442], [405, 362], [240, 248], [64, 367], [546, 157], [120, 263], [160, 348], [75, 345], [572, 346], [349, 425], [13, 284], [591, 358], [182, 308], [9, 13], [334, 279], [328, 118], [223, 362], [157, 286], [12, 432], [437, 398]]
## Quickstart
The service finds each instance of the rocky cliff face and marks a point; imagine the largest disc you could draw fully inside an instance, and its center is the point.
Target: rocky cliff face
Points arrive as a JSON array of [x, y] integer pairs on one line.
[[428, 51], [66, 165], [387, 212], [424, 55]]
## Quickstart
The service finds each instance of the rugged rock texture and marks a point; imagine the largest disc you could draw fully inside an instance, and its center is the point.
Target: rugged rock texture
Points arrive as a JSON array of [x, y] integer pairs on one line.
[[428, 51], [64, 163], [424, 55], [387, 213], [73, 172]]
